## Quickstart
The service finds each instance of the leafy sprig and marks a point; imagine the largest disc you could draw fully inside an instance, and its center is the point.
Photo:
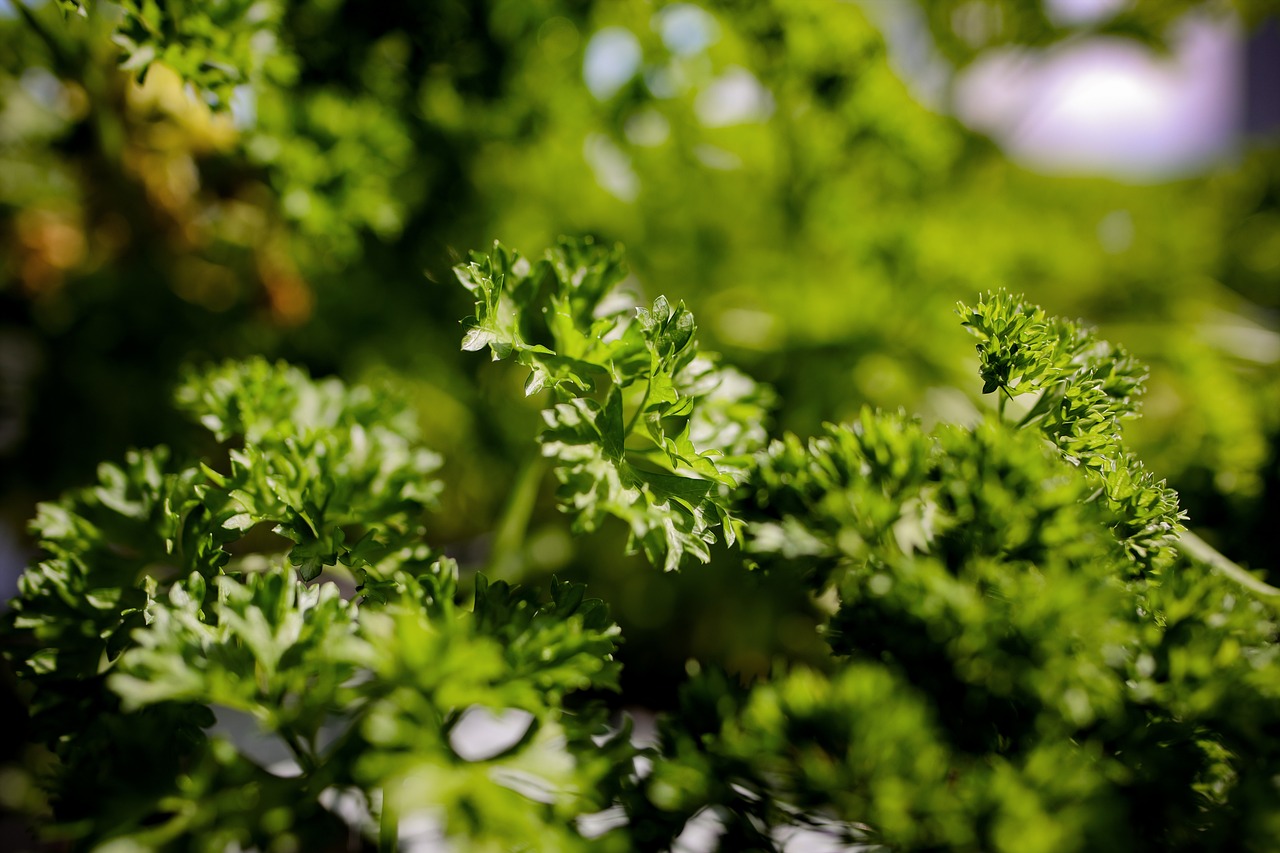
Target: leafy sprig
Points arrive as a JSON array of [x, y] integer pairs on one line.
[[643, 427], [318, 461], [161, 601], [985, 618], [1085, 388]]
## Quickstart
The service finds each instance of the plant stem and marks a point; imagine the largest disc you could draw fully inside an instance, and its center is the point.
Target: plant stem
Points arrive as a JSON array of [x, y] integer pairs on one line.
[[639, 410], [509, 536], [388, 826], [1203, 552]]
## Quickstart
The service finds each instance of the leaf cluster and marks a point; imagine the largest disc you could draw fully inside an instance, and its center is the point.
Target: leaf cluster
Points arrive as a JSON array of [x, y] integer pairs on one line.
[[1083, 389], [1022, 655], [318, 461], [1013, 600], [643, 426], [166, 615], [999, 678]]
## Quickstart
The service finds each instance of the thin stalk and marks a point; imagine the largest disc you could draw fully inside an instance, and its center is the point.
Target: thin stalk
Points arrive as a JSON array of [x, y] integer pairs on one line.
[[648, 386], [509, 537], [388, 826], [1203, 552]]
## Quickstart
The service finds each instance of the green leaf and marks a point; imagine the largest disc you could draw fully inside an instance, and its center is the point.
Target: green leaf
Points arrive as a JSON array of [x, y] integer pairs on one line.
[[317, 458], [1087, 388], [671, 479]]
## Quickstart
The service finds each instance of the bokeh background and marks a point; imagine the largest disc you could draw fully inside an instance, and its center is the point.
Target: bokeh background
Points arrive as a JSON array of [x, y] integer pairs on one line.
[[820, 181]]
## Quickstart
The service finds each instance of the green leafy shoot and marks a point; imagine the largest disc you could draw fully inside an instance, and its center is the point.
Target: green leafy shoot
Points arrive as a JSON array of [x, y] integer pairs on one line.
[[337, 471], [1085, 388], [315, 459], [371, 693], [160, 599], [263, 644], [643, 426]]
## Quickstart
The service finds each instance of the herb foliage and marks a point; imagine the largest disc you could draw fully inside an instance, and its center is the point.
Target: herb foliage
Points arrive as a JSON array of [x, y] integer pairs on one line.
[[1024, 654]]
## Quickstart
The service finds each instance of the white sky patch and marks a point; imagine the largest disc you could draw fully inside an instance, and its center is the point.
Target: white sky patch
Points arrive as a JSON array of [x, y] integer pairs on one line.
[[686, 29], [611, 167], [912, 52], [700, 834], [481, 734], [1104, 106], [648, 128], [351, 805], [735, 97], [423, 832], [1110, 106], [42, 87], [801, 839], [244, 107], [598, 823], [612, 58]]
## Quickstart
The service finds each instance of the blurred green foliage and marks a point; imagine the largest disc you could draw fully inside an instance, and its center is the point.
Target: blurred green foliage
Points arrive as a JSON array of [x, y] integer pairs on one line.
[[183, 182]]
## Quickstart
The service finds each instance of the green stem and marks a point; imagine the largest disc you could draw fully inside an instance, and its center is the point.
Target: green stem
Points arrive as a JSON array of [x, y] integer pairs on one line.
[[639, 410], [655, 453], [1203, 552], [184, 814], [509, 538], [388, 826], [1005, 397]]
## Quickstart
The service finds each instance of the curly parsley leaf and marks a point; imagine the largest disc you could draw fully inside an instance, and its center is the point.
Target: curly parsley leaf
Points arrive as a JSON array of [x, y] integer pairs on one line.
[[1086, 388], [318, 461], [643, 427]]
